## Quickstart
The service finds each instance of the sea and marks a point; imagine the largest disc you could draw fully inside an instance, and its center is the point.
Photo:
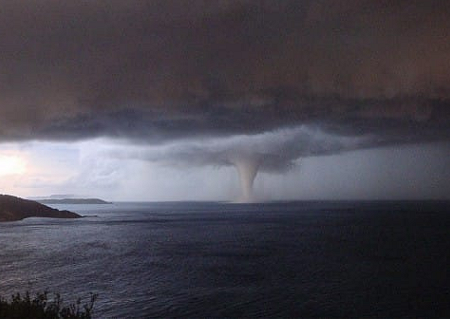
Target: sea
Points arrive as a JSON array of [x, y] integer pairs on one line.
[[304, 259]]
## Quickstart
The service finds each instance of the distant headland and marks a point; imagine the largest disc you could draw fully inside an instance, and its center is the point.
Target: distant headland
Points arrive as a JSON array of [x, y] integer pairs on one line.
[[14, 208], [73, 201]]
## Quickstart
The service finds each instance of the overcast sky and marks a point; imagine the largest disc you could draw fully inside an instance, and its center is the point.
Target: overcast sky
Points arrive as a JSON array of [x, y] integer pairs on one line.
[[160, 100]]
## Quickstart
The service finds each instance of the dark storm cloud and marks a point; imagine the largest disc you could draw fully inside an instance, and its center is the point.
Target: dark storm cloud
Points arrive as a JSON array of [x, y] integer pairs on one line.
[[154, 71], [275, 151]]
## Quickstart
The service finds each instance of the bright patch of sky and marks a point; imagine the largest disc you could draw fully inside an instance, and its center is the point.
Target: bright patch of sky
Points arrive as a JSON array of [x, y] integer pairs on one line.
[[87, 169]]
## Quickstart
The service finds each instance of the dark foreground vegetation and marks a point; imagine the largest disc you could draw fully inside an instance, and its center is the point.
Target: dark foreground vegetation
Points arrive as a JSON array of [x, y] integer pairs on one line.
[[42, 307]]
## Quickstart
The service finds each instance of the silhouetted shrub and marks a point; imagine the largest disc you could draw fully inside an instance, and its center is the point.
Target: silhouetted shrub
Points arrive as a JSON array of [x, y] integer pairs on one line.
[[44, 308]]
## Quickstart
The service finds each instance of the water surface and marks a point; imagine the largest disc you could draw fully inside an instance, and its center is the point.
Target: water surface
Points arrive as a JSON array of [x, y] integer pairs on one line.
[[215, 260]]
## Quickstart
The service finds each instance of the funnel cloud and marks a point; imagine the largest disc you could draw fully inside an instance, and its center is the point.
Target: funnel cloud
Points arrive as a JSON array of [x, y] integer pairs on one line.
[[274, 152], [255, 85], [247, 166]]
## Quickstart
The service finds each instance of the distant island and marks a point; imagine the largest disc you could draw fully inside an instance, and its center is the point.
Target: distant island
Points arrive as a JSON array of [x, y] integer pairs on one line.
[[14, 208], [73, 201]]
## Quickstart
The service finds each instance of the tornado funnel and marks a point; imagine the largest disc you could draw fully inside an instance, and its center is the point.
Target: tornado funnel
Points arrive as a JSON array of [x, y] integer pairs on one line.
[[247, 167]]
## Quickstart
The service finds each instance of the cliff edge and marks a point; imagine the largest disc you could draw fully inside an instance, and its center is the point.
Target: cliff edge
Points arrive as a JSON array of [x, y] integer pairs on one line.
[[14, 208]]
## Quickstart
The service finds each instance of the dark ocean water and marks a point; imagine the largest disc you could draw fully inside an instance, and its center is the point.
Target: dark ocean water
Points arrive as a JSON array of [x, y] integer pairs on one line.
[[216, 260]]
